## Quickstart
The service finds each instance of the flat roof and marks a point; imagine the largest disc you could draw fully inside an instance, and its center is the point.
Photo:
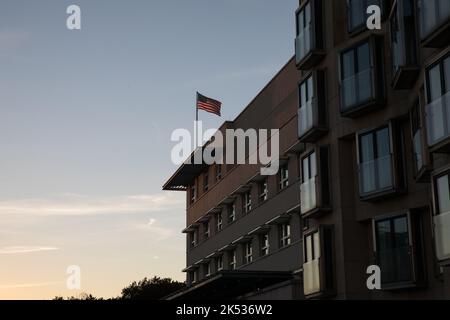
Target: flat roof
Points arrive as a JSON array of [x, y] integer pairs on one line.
[[187, 172]]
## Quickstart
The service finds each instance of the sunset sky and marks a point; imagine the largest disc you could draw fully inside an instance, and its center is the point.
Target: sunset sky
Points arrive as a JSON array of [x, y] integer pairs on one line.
[[85, 124]]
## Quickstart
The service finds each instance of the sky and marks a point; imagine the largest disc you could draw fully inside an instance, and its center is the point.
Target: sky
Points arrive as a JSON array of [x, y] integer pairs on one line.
[[86, 118]]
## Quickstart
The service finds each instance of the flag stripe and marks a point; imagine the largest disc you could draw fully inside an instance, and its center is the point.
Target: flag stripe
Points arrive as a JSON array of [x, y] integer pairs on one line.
[[208, 104]]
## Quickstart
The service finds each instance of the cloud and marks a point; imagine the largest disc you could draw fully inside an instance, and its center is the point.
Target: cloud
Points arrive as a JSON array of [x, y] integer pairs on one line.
[[25, 249], [161, 233], [78, 205], [31, 285]]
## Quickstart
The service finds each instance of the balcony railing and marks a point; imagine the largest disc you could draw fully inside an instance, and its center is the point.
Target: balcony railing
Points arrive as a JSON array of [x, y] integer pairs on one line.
[[432, 14], [308, 199], [357, 90], [438, 119], [303, 44], [306, 118], [311, 277], [442, 235], [376, 175]]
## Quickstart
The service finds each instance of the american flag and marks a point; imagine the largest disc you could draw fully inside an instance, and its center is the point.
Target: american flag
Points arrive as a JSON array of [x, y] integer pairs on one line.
[[208, 104]]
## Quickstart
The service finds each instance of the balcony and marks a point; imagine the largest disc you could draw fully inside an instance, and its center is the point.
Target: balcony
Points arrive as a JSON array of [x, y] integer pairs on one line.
[[442, 235], [404, 45], [309, 41], [312, 115], [434, 23], [376, 176], [311, 277], [357, 91], [438, 123]]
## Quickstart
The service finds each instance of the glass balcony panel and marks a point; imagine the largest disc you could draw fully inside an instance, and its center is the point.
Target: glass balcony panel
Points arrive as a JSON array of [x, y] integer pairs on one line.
[[396, 265], [375, 175], [438, 119], [311, 277], [303, 43], [433, 13], [442, 235], [357, 89], [308, 199], [306, 117]]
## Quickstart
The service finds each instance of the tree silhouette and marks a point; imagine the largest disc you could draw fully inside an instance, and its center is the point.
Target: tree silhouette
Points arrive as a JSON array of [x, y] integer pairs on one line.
[[151, 289]]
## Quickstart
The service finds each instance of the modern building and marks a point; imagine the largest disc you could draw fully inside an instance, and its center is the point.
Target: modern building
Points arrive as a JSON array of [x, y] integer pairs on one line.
[[364, 119]]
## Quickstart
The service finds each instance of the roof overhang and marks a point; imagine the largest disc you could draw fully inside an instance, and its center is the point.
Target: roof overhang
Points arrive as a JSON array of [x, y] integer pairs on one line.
[[230, 284]]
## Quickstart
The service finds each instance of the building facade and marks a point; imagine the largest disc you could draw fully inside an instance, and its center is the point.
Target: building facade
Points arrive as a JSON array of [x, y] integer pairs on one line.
[[364, 119]]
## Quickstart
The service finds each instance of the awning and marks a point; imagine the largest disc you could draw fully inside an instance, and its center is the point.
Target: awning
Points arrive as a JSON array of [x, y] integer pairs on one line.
[[230, 285]]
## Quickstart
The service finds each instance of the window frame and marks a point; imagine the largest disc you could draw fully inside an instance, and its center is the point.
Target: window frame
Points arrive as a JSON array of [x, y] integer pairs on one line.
[[415, 249], [263, 187], [285, 234], [248, 252], [264, 241], [247, 201], [232, 260], [219, 221], [283, 177], [396, 155], [442, 143], [231, 213]]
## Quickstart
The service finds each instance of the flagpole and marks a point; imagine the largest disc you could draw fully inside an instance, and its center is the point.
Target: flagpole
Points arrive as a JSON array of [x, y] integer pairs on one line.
[[196, 122]]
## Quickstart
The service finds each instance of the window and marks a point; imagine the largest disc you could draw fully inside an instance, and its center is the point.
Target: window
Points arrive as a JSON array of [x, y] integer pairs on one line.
[[194, 276], [219, 263], [247, 202], [231, 213], [264, 243], [206, 230], [438, 99], [375, 161], [357, 77], [442, 215], [308, 187], [416, 132], [285, 235], [311, 265], [398, 249], [207, 267], [357, 13], [194, 238], [248, 252], [433, 13], [205, 181], [306, 94], [309, 40], [263, 191], [284, 177], [315, 195], [218, 172], [303, 42], [219, 221], [404, 44], [318, 262], [232, 259], [193, 193]]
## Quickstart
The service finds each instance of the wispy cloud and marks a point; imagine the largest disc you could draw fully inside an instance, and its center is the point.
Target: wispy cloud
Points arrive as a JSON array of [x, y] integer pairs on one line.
[[31, 285], [76, 205], [25, 249]]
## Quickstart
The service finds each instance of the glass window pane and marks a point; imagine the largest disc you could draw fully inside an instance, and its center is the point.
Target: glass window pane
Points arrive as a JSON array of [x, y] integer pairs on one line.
[[313, 163], [316, 245], [366, 148], [348, 67], [435, 83], [443, 194], [363, 57], [309, 247], [447, 73], [305, 170], [310, 89], [383, 143]]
